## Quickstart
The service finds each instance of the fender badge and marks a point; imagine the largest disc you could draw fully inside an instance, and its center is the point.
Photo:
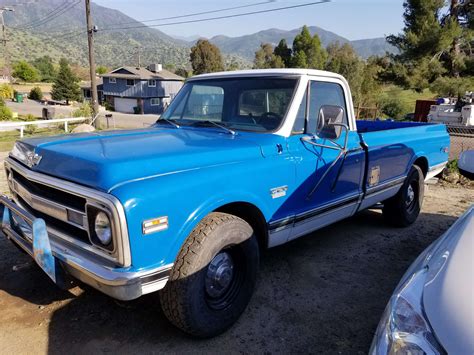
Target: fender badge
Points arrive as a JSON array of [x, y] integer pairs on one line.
[[277, 192]]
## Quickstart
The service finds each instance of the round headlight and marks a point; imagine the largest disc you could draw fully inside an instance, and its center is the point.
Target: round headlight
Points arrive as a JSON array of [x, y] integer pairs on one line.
[[102, 228]]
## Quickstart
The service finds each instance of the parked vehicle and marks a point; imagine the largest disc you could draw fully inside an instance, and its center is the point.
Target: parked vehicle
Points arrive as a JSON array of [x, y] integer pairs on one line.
[[466, 164], [240, 161], [432, 308], [454, 112]]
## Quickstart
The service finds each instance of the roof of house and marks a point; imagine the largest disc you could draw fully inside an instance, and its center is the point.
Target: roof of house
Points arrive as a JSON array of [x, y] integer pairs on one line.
[[142, 73], [87, 84]]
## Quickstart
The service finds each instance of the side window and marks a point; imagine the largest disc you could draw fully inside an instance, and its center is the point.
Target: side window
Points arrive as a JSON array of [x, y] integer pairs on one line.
[[322, 93], [298, 128]]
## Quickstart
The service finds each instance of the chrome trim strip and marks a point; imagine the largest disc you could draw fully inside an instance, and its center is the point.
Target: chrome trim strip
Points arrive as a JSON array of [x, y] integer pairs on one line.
[[282, 223], [121, 238], [385, 185]]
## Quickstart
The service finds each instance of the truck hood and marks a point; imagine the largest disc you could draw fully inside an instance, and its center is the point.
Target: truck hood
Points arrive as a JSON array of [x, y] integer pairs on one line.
[[448, 295], [104, 160]]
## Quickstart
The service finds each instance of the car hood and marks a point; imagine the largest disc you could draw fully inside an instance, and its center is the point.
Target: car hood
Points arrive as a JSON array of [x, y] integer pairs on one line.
[[104, 160], [448, 295]]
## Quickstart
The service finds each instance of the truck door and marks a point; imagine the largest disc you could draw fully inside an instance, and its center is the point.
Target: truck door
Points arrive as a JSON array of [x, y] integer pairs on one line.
[[328, 179]]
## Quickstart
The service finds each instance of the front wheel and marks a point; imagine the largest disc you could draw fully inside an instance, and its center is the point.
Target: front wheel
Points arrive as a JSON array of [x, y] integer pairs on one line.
[[214, 276], [403, 209]]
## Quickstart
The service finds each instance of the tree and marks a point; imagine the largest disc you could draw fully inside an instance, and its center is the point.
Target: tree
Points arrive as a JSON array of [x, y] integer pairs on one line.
[[101, 69], [65, 86], [45, 67], [265, 58], [311, 46], [206, 57], [35, 93], [343, 59], [25, 72], [299, 60], [432, 44], [182, 72], [284, 52], [452, 87]]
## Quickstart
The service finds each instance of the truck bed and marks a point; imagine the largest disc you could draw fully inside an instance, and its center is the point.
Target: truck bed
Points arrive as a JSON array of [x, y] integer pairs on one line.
[[374, 126]]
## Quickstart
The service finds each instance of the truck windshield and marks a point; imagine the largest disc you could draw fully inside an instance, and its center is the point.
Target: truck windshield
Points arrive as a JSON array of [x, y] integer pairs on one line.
[[247, 104]]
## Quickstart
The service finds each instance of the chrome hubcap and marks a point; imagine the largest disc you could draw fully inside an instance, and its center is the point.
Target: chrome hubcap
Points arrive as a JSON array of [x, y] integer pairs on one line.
[[410, 195], [220, 273]]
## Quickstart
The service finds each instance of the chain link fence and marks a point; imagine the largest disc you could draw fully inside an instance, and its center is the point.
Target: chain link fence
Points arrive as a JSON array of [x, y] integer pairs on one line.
[[462, 138]]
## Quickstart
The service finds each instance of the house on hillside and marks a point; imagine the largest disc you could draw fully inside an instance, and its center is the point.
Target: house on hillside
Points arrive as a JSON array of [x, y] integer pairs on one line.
[[87, 92], [141, 90]]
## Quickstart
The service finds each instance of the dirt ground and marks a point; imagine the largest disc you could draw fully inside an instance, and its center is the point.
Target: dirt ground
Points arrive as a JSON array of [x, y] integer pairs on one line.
[[323, 293]]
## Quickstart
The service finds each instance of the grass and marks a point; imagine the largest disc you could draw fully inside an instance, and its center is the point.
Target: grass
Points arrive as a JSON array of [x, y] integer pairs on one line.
[[8, 139], [408, 98], [26, 87]]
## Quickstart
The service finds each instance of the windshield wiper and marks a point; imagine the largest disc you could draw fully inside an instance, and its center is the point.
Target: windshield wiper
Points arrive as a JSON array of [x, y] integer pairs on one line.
[[228, 130], [171, 122]]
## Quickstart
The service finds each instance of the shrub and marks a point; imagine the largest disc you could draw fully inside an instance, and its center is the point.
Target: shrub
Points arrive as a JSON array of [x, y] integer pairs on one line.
[[6, 91], [29, 117], [36, 93], [30, 129], [393, 108], [2, 101], [5, 114], [85, 110]]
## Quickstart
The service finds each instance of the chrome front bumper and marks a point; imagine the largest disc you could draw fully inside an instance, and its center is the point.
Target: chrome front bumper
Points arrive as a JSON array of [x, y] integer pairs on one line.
[[58, 260]]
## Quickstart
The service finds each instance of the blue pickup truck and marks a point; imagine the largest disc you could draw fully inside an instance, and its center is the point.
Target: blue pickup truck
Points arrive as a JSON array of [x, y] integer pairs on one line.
[[240, 161]]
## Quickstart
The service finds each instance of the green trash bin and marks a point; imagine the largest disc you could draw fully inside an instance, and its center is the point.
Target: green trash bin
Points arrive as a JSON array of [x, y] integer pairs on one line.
[[19, 97]]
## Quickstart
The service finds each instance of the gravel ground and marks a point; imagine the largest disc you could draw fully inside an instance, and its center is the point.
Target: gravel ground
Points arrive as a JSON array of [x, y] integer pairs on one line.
[[323, 293]]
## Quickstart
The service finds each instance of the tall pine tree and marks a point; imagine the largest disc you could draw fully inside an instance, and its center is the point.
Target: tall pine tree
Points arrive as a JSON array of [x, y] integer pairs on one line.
[[284, 52], [65, 86], [312, 48]]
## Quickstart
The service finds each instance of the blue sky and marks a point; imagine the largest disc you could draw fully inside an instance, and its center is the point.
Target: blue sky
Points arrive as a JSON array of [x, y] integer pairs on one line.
[[353, 19]]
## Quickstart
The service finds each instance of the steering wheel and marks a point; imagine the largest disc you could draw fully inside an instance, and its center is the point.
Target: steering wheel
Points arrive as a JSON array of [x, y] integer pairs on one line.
[[270, 119]]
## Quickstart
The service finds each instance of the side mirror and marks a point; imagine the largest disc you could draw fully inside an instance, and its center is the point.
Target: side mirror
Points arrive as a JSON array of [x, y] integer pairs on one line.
[[330, 121]]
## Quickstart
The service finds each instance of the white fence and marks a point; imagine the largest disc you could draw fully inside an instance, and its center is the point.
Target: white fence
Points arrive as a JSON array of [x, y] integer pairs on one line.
[[9, 126]]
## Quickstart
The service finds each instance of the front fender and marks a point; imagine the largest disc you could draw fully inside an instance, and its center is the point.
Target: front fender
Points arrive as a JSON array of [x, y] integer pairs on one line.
[[187, 197]]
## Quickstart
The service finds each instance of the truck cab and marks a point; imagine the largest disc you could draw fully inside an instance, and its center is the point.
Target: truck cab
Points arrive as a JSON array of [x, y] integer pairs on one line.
[[240, 161]]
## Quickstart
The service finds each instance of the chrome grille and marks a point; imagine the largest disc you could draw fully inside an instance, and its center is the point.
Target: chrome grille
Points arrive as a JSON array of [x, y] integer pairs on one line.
[[63, 206]]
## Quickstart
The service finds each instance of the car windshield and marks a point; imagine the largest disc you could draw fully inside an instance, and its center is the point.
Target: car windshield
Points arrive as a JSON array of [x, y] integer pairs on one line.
[[248, 104]]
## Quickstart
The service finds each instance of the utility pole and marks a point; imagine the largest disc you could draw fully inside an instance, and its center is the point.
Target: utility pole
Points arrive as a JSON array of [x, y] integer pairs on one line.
[[139, 56], [91, 29], [6, 55]]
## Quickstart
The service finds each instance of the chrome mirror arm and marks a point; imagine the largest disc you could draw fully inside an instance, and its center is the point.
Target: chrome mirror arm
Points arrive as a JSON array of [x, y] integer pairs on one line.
[[335, 146]]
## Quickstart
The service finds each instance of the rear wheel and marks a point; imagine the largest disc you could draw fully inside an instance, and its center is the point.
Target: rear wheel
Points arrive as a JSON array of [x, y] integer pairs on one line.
[[403, 209], [214, 276]]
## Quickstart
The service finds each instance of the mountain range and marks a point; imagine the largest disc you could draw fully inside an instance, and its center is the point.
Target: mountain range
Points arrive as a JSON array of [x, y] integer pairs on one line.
[[57, 28]]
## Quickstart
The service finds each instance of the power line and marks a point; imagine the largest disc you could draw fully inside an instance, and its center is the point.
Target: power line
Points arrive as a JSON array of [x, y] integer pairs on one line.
[[198, 13], [55, 16], [194, 14], [219, 17], [49, 17]]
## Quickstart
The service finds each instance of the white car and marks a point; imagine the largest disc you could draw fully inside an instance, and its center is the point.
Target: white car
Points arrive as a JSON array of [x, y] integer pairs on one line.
[[466, 164], [432, 308]]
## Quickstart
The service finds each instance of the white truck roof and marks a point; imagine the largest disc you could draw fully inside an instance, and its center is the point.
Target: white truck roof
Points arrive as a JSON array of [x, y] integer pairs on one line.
[[269, 72]]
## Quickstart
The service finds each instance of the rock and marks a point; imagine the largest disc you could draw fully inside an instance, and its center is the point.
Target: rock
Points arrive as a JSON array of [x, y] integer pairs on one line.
[[83, 128]]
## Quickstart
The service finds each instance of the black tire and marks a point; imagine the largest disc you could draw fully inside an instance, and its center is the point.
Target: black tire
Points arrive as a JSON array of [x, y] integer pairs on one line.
[[402, 210], [194, 299]]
